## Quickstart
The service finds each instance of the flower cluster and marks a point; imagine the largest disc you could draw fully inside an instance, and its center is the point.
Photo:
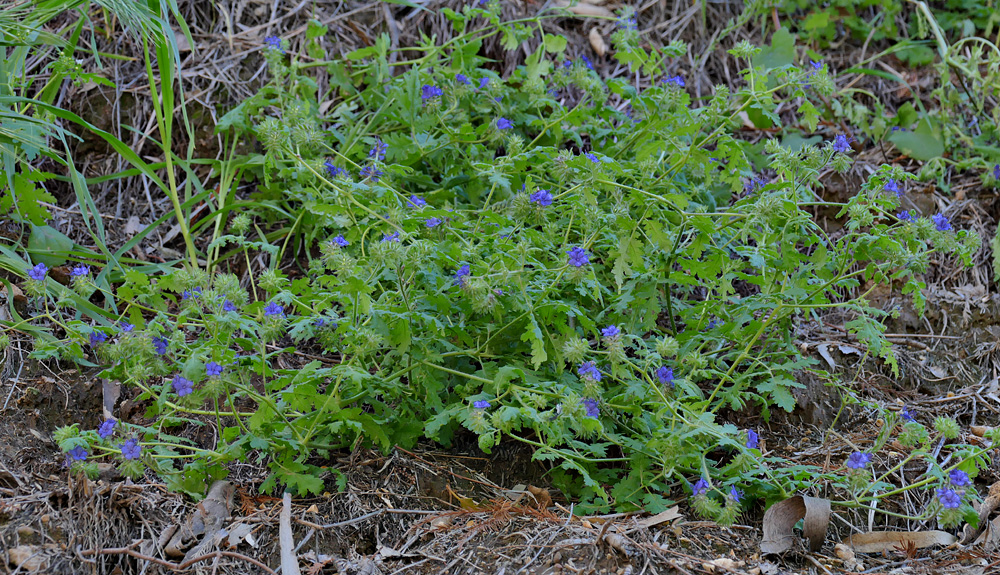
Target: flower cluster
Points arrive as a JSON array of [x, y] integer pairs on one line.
[[588, 370], [859, 460], [578, 257], [542, 197]]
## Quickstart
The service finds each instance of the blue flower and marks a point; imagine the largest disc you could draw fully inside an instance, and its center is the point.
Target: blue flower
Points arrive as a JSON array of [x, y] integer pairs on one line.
[[126, 327], [590, 404], [592, 158], [735, 494], [78, 453], [462, 273], [334, 171], [567, 64], [393, 237], [432, 222], [274, 43], [542, 197], [461, 79], [817, 65], [701, 486], [905, 216], [340, 242], [428, 92], [182, 385], [892, 186], [80, 271], [996, 172], [196, 292], [959, 478], [274, 309], [858, 460], [588, 370], [906, 415], [948, 498], [665, 375], [627, 24], [213, 369], [481, 404], [38, 272], [586, 62], [107, 428], [417, 202], [941, 222], [371, 173], [611, 331], [228, 306], [160, 344], [842, 144], [504, 123], [753, 440], [483, 82], [131, 449], [578, 257], [97, 338], [675, 81], [379, 148]]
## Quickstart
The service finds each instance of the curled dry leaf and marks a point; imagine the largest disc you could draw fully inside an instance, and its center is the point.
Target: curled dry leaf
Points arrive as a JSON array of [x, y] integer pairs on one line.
[[879, 541], [542, 498], [597, 42], [989, 505], [780, 519], [585, 9]]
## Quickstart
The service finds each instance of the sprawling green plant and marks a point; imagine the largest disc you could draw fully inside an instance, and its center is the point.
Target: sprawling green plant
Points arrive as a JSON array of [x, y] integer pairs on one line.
[[599, 271]]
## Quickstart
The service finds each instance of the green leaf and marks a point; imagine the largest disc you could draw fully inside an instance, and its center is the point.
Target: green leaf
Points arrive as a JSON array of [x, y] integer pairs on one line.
[[48, 245], [923, 144], [555, 44], [534, 334], [780, 53]]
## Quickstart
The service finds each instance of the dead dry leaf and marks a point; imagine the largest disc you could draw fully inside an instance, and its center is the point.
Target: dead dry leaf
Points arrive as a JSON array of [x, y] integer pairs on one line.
[[987, 508], [661, 517], [780, 520], [542, 497], [597, 42], [879, 541], [585, 9], [722, 565]]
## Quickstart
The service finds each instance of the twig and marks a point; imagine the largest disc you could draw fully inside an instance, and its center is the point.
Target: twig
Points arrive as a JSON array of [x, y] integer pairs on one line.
[[170, 564], [341, 523], [289, 564]]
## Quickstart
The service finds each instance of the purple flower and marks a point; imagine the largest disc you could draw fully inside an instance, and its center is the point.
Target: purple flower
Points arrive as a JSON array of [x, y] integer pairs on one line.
[[578, 257], [107, 428], [753, 440], [334, 171], [432, 222], [97, 338], [542, 197], [274, 309], [905, 216], [340, 242], [735, 494], [428, 92], [371, 173], [196, 292], [38, 272], [712, 324], [948, 498], [842, 144], [504, 123], [592, 158], [627, 24], [78, 453], [417, 202], [586, 62], [274, 43], [393, 237], [905, 414], [590, 404], [228, 306], [959, 478], [461, 79], [701, 486], [126, 327], [80, 271], [858, 460], [379, 148], [674, 80], [996, 172], [481, 404], [611, 331], [213, 369], [665, 375], [483, 82], [131, 449], [160, 344], [462, 273], [892, 186], [941, 222], [182, 385], [817, 65], [588, 370], [567, 64]]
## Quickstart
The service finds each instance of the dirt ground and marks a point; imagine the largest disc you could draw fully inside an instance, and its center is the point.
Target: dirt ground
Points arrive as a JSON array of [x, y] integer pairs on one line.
[[459, 511]]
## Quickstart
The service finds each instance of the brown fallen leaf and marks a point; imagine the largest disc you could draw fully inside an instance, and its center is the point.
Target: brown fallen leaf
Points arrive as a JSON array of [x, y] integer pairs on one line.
[[542, 498], [597, 42], [661, 517], [987, 508], [204, 522], [879, 541], [780, 520], [585, 9], [466, 503], [29, 558]]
